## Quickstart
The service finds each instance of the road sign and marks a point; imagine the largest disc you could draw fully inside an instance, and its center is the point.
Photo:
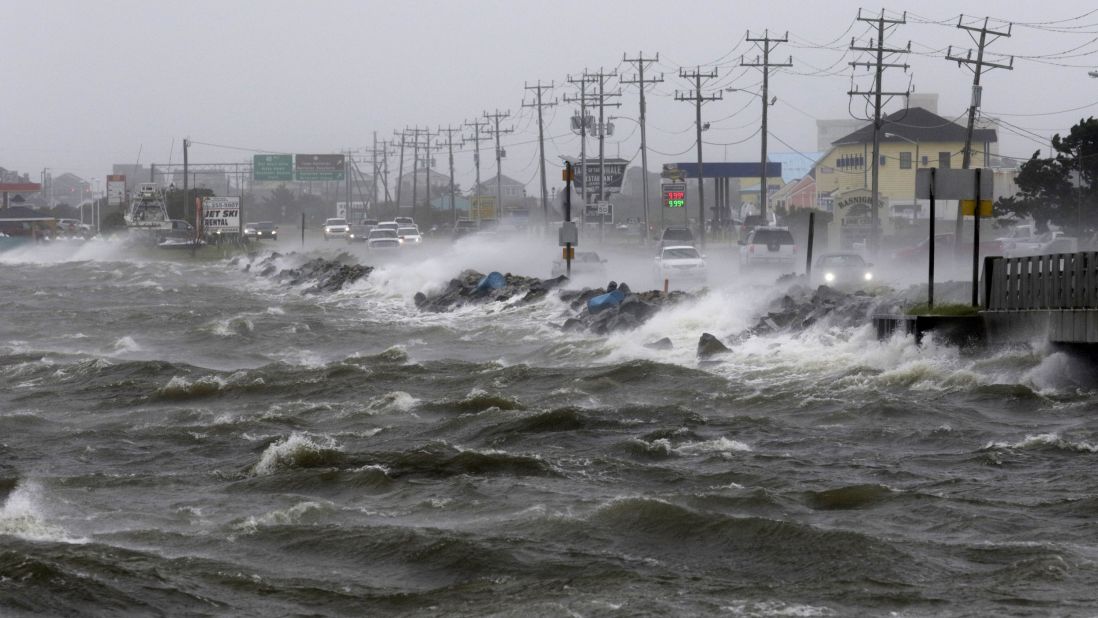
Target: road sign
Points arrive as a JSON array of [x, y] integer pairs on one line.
[[968, 208], [603, 211], [319, 167], [116, 189], [952, 184], [568, 233], [221, 215], [674, 194], [484, 207], [273, 167]]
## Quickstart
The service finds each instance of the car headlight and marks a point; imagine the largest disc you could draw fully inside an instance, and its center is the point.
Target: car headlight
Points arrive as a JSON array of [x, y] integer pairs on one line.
[[352, 235], [829, 277], [869, 276]]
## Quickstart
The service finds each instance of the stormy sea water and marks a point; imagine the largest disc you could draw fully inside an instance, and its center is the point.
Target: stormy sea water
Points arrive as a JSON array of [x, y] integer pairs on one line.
[[188, 438]]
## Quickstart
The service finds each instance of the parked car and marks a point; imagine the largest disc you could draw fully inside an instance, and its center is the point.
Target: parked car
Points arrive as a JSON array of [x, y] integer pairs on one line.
[[768, 246], [464, 227], [680, 262], [381, 238], [585, 263], [261, 230], [841, 270], [359, 232], [336, 228], [1039, 244], [676, 236]]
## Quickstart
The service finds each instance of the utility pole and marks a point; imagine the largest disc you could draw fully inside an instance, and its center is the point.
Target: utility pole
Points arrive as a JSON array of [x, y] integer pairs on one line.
[[374, 168], [477, 125], [496, 117], [977, 91], [400, 170], [450, 146], [415, 170], [538, 103], [766, 42], [639, 80], [600, 77], [427, 162], [698, 98], [582, 99], [877, 95]]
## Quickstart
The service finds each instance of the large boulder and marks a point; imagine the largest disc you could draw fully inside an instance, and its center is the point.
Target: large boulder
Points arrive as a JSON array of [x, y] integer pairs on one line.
[[709, 346]]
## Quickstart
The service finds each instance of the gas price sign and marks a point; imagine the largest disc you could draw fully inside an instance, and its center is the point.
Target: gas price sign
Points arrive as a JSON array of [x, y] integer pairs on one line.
[[674, 194]]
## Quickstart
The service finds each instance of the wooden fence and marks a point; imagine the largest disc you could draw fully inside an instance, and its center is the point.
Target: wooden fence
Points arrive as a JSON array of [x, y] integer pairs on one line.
[[1041, 282]]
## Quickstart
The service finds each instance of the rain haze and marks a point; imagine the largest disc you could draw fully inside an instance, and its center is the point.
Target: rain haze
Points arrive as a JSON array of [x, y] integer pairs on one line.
[[290, 323]]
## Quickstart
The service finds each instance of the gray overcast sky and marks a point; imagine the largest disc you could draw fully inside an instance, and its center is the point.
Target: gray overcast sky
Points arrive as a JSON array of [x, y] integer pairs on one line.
[[88, 84]]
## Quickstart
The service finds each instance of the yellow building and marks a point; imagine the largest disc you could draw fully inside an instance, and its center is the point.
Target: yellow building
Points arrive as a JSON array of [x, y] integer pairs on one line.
[[910, 139]]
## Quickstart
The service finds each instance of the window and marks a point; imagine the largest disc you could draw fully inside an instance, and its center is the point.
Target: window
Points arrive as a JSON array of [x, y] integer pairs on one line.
[[944, 159], [905, 160]]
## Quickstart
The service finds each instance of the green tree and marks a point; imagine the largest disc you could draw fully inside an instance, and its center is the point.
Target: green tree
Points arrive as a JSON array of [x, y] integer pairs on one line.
[[1061, 190]]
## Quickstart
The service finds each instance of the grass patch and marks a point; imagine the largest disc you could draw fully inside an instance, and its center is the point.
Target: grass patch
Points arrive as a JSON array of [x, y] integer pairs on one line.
[[951, 309]]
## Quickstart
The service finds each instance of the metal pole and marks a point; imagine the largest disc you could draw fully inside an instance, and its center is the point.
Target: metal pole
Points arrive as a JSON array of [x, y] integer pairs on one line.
[[569, 174], [811, 233], [583, 144], [976, 245], [453, 203], [302, 228], [499, 172], [415, 170], [930, 273], [400, 172]]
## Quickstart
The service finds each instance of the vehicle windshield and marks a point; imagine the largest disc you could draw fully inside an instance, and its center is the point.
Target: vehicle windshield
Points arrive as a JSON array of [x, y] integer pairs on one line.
[[264, 225], [841, 261], [388, 225], [370, 222], [773, 237], [408, 231], [687, 253], [383, 234], [336, 222]]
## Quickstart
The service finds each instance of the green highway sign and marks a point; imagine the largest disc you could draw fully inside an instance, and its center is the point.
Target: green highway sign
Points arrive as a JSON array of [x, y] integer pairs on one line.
[[273, 167], [319, 167]]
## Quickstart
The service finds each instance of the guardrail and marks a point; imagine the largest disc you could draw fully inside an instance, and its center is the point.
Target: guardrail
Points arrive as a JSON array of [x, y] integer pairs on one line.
[[1041, 282]]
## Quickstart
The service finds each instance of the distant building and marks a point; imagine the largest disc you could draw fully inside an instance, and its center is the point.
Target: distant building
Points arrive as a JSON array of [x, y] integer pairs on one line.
[[440, 183], [910, 139]]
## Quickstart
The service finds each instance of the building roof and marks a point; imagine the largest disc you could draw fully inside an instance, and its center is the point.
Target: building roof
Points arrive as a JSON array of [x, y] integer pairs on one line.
[[917, 125]]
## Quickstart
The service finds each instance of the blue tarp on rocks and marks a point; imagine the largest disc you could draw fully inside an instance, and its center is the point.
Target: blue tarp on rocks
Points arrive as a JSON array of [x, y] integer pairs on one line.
[[605, 301], [492, 281]]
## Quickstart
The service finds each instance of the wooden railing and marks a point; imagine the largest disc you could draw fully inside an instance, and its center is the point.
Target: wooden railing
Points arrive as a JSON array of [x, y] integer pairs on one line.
[[1041, 282]]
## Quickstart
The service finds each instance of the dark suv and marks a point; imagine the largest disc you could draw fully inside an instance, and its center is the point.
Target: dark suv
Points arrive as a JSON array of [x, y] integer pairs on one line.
[[676, 235]]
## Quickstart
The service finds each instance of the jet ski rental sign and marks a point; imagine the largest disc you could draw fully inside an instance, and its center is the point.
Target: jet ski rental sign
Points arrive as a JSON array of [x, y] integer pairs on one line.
[[221, 215]]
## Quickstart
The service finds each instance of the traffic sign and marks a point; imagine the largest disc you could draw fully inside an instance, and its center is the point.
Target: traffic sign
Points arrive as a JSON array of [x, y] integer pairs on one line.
[[319, 167], [273, 167]]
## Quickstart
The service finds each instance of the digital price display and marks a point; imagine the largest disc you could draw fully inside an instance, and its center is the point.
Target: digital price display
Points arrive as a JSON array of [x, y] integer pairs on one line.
[[674, 195]]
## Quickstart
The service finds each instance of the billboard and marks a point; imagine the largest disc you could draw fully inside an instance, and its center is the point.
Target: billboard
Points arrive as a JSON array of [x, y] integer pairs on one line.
[[319, 167], [614, 170], [116, 190], [221, 215]]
